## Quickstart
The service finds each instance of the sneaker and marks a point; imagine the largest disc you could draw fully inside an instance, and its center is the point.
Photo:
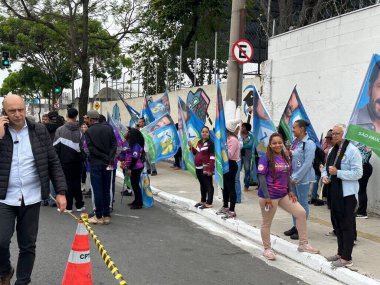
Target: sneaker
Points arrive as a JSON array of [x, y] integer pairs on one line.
[[95, 221], [229, 215], [126, 193], [332, 234], [339, 263], [66, 211], [307, 248], [107, 220], [319, 203], [359, 216], [269, 254], [198, 204], [205, 206], [291, 231], [222, 211], [333, 258], [6, 278], [295, 236], [81, 209]]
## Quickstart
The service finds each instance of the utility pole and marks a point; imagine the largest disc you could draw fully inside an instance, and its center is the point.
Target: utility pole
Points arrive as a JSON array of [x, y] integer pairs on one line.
[[234, 70]]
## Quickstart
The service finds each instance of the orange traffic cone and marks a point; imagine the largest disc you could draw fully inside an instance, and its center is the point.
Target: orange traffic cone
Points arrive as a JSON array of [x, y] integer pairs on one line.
[[78, 268]]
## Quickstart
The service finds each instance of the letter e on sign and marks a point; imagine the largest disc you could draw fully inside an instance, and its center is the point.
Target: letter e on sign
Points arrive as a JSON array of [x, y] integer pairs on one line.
[[242, 51]]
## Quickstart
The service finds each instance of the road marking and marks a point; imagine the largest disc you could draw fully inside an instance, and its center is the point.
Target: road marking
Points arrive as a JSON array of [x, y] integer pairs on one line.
[[126, 216]]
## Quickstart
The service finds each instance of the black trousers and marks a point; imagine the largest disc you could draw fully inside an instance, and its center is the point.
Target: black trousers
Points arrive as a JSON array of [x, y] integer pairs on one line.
[[363, 182], [26, 219], [135, 182], [229, 192], [207, 188], [343, 224], [73, 176], [178, 158]]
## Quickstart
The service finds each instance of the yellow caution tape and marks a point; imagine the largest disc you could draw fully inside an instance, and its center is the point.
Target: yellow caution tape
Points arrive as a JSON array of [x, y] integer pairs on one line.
[[103, 253]]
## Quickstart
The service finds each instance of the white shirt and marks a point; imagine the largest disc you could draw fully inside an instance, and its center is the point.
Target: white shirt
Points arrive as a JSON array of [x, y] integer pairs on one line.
[[23, 179]]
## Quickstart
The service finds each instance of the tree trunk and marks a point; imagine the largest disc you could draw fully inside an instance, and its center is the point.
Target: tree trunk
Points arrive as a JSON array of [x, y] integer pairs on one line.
[[84, 64]]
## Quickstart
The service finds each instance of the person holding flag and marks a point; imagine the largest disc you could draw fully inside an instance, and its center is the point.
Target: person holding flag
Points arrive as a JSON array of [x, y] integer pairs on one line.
[[233, 151], [150, 167], [204, 166], [302, 155]]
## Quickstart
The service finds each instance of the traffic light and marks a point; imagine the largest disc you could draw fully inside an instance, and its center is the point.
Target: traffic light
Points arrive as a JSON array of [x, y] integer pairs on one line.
[[57, 89], [6, 62]]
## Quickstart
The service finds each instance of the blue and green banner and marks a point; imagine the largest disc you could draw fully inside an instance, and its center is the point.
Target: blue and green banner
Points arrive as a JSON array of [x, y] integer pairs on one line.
[[364, 124], [262, 123], [294, 111], [183, 118], [146, 112], [221, 156], [162, 139], [160, 106], [132, 113], [146, 191], [198, 102]]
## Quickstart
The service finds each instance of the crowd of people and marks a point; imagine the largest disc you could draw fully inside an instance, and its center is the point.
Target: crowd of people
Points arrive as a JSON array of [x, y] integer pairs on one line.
[[69, 160]]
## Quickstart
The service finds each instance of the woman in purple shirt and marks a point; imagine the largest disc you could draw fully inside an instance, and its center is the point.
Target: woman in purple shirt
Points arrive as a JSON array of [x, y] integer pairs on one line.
[[134, 163], [274, 171]]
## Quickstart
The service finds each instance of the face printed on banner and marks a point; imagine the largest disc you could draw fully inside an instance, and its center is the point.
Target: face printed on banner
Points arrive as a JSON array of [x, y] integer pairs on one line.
[[291, 107], [374, 102]]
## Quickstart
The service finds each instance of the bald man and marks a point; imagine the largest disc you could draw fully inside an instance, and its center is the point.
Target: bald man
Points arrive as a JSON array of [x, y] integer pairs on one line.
[[28, 161]]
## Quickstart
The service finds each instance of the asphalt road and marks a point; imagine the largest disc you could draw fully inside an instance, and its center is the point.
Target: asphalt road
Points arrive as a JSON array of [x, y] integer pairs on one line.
[[150, 246]]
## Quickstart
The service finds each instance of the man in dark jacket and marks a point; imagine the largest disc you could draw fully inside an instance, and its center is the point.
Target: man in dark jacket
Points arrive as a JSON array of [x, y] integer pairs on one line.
[[28, 161], [101, 142], [67, 143]]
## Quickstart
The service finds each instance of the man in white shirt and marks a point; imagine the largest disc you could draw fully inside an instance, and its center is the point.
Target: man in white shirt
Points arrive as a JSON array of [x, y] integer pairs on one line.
[[28, 162]]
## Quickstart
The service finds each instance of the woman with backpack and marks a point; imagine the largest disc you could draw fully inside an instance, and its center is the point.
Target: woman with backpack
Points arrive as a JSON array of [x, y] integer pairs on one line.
[[204, 161], [134, 164], [302, 155], [274, 176]]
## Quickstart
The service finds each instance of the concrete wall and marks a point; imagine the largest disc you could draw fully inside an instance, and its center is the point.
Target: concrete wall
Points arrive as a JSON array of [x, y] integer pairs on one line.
[[328, 62]]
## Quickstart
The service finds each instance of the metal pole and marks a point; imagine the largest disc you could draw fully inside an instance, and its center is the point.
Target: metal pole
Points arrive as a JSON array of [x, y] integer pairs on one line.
[[130, 85], [180, 68], [138, 85], [156, 78], [195, 63], [216, 58], [124, 84], [268, 16], [273, 28]]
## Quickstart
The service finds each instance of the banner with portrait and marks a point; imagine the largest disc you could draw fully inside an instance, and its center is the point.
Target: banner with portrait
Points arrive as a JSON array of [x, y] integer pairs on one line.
[[160, 106]]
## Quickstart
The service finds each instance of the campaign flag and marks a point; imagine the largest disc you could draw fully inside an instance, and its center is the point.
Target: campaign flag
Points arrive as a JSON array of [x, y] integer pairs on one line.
[[187, 155], [132, 112], [294, 111], [146, 112], [161, 106], [198, 102], [147, 195], [262, 124], [118, 129], [221, 157], [364, 124], [161, 138]]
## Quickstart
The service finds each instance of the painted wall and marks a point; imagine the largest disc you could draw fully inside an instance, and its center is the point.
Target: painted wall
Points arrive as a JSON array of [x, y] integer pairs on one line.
[[328, 62]]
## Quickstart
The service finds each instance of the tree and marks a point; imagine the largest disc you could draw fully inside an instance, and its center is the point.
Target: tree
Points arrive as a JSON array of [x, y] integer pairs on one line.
[[171, 24], [70, 20]]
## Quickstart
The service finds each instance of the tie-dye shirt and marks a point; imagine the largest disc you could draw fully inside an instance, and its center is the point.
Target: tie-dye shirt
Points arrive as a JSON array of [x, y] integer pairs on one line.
[[277, 187]]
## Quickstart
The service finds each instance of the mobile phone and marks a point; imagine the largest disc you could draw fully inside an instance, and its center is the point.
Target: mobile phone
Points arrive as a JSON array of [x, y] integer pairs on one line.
[[3, 113]]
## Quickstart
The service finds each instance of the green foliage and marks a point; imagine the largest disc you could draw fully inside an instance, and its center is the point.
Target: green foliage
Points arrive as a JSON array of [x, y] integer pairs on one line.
[[169, 24]]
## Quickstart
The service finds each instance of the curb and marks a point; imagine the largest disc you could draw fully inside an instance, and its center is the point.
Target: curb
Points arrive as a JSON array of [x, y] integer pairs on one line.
[[315, 262]]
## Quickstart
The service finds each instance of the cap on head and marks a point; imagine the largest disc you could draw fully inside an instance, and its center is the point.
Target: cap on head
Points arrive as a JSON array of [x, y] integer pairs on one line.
[[53, 115], [92, 114]]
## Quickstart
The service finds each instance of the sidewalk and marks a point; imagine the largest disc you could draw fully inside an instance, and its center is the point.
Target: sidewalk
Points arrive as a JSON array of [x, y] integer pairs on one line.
[[181, 188]]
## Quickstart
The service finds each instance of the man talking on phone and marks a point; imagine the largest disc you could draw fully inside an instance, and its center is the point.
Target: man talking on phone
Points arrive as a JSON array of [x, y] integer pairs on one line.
[[28, 162], [101, 142]]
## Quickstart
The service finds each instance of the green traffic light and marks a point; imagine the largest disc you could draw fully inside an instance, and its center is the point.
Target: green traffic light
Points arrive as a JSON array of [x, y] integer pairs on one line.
[[5, 62], [57, 89]]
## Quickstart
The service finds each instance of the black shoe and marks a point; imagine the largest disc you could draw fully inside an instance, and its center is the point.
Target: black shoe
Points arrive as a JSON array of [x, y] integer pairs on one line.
[[132, 203], [135, 207], [312, 201], [154, 173], [45, 203], [288, 233], [6, 278], [149, 171], [294, 236], [319, 203], [126, 193]]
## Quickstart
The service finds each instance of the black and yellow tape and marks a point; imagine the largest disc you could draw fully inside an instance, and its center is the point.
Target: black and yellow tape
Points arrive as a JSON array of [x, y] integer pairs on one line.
[[103, 253]]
